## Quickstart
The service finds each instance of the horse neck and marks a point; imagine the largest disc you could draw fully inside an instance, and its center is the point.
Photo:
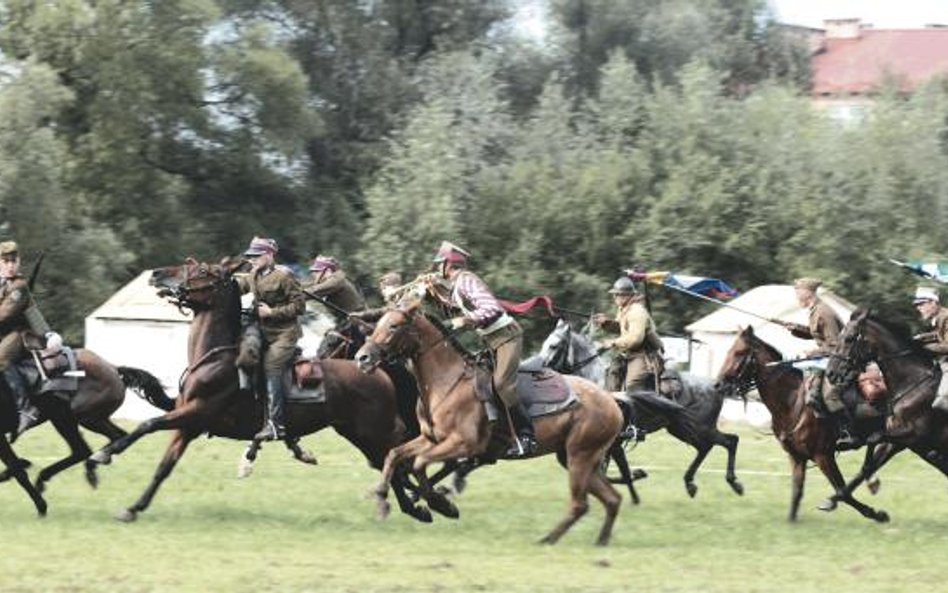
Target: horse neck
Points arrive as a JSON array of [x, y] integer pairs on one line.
[[214, 327], [898, 361], [438, 365], [779, 388]]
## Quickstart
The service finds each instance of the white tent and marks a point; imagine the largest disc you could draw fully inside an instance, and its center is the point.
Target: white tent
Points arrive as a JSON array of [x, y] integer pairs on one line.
[[714, 333], [137, 328]]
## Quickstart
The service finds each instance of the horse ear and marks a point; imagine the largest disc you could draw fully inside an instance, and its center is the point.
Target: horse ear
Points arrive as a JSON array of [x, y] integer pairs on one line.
[[189, 260], [232, 263], [859, 314]]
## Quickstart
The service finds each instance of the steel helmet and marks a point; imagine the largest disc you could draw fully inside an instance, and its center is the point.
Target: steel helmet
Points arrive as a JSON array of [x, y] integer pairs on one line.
[[623, 285]]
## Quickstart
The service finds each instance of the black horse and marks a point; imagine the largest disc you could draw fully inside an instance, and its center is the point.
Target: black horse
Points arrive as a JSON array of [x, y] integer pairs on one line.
[[912, 380], [16, 467], [568, 351]]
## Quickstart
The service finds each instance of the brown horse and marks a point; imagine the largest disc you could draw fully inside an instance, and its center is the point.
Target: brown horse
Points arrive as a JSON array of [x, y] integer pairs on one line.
[[455, 425], [9, 419], [752, 362], [912, 380], [360, 407], [97, 394]]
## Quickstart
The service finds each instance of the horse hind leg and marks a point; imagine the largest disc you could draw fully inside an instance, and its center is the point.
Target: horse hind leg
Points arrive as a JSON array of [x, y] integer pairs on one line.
[[600, 487], [829, 468], [300, 454], [60, 414], [109, 430], [581, 468], [690, 485], [730, 442], [16, 469], [176, 448]]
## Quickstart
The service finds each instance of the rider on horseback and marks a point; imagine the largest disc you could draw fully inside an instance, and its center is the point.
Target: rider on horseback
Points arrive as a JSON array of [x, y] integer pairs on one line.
[[18, 314], [823, 327], [330, 285], [935, 341], [279, 303], [479, 308], [638, 363]]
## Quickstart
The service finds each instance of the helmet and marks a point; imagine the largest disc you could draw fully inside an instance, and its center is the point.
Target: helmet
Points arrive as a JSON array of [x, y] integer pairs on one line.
[[623, 285], [323, 263], [924, 294], [450, 253]]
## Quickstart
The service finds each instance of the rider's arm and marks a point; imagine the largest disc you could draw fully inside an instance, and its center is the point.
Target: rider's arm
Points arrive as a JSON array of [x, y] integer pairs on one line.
[[295, 304], [484, 306], [636, 323], [15, 302]]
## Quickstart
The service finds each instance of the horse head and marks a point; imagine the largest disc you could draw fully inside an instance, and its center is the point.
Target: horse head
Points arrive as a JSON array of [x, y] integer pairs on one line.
[[738, 373], [194, 285], [395, 334], [853, 352], [555, 351]]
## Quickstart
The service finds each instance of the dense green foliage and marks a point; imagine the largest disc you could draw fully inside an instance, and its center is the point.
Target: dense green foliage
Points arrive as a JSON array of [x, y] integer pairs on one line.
[[671, 134], [296, 528]]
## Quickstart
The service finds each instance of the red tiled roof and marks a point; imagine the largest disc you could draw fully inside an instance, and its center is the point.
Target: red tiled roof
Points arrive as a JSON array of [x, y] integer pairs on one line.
[[909, 56]]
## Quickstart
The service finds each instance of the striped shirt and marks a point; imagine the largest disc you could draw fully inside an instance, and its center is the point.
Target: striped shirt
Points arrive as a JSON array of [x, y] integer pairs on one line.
[[475, 300]]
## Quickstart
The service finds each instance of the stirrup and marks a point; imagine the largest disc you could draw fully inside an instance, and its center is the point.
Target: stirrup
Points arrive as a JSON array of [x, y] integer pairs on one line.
[[524, 446], [270, 432]]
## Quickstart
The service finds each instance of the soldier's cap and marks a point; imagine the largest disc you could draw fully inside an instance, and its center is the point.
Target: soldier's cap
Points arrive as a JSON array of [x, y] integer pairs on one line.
[[260, 246], [450, 253], [9, 250], [390, 279], [810, 284], [924, 294], [323, 263]]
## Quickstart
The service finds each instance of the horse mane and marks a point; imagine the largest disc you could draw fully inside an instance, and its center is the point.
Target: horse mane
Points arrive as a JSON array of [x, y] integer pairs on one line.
[[900, 332], [449, 336], [771, 350], [232, 304]]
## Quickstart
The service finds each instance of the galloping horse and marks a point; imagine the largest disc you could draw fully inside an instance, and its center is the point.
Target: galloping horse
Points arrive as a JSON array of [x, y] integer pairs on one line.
[[750, 363], [360, 407], [454, 423], [9, 419], [912, 381], [570, 352], [98, 393]]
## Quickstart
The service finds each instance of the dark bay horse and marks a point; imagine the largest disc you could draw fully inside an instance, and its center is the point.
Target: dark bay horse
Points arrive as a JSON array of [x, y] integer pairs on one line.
[[9, 418], [750, 363], [360, 407], [98, 394], [912, 381], [571, 352], [455, 425]]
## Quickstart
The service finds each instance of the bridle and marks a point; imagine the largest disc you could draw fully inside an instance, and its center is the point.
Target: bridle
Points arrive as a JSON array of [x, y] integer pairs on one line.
[[198, 279], [744, 379]]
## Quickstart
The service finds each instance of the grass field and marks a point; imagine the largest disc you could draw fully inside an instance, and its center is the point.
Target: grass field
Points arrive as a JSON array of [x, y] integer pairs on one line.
[[292, 527]]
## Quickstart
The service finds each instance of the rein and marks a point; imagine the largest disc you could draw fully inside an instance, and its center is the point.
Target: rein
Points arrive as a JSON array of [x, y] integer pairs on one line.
[[207, 355]]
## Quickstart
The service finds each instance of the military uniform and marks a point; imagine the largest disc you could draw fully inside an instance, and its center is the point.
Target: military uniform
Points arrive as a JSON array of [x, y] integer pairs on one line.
[[824, 328], [280, 290], [14, 299], [936, 342], [638, 359], [339, 291]]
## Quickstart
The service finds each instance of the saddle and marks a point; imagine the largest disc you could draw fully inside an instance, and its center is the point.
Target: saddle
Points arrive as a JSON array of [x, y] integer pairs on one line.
[[541, 390], [51, 371]]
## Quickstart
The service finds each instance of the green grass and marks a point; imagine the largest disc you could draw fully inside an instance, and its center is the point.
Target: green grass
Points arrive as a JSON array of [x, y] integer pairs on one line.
[[292, 527]]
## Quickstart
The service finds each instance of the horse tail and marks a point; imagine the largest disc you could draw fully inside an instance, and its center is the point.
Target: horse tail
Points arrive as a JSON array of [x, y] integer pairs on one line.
[[653, 412], [147, 386]]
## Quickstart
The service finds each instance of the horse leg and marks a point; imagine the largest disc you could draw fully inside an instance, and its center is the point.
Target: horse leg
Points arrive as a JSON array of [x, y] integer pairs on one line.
[[16, 469], [827, 464], [299, 453], [729, 442], [581, 467], [617, 454], [20, 463], [690, 485], [876, 457], [395, 457], [450, 448], [934, 458], [65, 423], [176, 448], [405, 503], [600, 487], [797, 477], [176, 418], [245, 465], [109, 430]]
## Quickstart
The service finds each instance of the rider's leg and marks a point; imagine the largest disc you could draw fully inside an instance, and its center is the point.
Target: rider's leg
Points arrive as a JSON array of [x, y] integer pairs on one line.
[[615, 374], [941, 398], [832, 399], [11, 350], [507, 345], [638, 374], [276, 359]]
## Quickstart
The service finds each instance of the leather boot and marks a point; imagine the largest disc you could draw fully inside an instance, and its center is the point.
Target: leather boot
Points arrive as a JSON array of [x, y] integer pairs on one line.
[[525, 440], [274, 429], [814, 397], [29, 415], [846, 437]]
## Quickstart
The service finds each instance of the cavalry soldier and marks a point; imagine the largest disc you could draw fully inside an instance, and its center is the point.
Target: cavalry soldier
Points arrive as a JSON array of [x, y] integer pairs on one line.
[[329, 284], [935, 341], [823, 327], [638, 362], [479, 309], [389, 284], [15, 300], [279, 303]]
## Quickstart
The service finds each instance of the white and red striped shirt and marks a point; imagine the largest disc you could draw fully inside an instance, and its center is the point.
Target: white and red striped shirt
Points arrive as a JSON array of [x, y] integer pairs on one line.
[[475, 300]]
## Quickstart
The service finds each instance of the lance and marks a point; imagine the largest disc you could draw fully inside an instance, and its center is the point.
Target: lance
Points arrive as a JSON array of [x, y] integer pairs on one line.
[[36, 268], [723, 304]]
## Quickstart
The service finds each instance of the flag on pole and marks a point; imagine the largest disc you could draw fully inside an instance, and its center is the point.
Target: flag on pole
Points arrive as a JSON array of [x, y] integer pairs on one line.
[[523, 307], [702, 285], [937, 271]]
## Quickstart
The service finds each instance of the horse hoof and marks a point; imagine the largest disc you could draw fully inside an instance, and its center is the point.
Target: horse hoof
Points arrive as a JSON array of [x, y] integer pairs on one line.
[[444, 507], [126, 516], [244, 469], [691, 488], [422, 514], [384, 508], [639, 474], [737, 487], [882, 517], [41, 508], [101, 458], [92, 478], [873, 486], [307, 457], [40, 485], [459, 484], [827, 505]]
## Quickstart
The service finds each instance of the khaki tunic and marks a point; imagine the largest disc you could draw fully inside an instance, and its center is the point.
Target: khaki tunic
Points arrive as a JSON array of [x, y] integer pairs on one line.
[[280, 290], [823, 327], [338, 290], [638, 347], [14, 299], [937, 343]]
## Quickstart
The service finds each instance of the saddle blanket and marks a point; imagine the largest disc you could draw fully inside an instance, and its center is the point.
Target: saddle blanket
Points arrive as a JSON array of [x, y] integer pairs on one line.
[[544, 392]]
